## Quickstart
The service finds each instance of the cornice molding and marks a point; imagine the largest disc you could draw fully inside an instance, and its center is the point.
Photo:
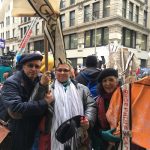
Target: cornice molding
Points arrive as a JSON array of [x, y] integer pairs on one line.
[[102, 22]]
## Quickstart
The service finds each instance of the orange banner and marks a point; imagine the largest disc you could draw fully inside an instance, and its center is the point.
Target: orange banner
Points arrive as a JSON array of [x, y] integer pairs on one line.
[[140, 108]]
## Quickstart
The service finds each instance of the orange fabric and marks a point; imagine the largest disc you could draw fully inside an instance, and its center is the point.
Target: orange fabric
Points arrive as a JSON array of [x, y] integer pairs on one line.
[[140, 105]]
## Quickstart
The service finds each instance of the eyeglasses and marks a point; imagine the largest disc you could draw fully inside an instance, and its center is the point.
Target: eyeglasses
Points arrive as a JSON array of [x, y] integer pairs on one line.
[[64, 70], [33, 65]]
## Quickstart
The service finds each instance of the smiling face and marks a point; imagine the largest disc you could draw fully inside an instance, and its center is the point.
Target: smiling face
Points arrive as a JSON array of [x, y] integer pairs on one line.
[[62, 72], [32, 68], [109, 84]]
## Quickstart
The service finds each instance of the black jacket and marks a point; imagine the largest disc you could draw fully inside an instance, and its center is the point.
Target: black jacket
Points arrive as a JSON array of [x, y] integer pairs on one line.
[[16, 93]]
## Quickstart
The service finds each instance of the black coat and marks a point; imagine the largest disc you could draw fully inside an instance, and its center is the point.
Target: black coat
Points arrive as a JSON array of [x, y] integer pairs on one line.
[[16, 93]]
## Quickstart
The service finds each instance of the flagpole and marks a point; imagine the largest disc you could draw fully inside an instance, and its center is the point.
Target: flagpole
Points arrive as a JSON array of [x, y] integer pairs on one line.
[[46, 50]]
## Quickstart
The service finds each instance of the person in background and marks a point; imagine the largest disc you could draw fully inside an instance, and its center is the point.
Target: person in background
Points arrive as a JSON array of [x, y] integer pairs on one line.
[[24, 113], [102, 135], [5, 71], [89, 74], [71, 99], [91, 70], [75, 72]]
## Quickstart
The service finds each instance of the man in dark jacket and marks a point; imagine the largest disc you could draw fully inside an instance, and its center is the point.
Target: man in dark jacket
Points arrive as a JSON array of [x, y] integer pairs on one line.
[[24, 113], [90, 73]]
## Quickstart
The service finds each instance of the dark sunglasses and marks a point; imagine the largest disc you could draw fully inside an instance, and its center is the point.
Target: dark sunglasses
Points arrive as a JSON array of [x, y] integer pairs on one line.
[[33, 65], [64, 70]]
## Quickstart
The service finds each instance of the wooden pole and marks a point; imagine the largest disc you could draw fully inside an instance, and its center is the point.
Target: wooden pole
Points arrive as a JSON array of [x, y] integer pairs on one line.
[[46, 51]]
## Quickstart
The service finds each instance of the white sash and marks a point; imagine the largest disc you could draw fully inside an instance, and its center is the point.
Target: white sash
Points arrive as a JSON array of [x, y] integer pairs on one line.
[[126, 117]]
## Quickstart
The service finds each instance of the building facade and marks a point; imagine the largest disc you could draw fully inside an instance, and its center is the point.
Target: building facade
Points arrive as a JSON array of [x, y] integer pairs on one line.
[[89, 27], [13, 29], [111, 23]]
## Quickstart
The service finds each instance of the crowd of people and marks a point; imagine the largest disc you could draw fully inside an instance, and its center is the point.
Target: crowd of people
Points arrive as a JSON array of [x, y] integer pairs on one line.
[[66, 110]]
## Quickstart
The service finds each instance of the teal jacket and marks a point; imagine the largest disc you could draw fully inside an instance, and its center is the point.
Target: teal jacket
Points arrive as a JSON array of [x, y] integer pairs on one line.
[[4, 69]]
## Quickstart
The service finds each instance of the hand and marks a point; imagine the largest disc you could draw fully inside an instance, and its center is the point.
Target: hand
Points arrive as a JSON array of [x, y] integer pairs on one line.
[[84, 122], [48, 97], [5, 75], [108, 136], [45, 79]]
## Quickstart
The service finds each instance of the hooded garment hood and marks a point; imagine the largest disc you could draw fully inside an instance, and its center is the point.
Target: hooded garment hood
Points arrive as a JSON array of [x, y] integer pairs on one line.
[[91, 73]]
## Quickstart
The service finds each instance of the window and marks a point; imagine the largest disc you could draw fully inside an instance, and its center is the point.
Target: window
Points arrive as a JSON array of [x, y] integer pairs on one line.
[[7, 21], [86, 13], [143, 63], [146, 1], [62, 20], [7, 34], [72, 18], [2, 24], [96, 10], [73, 62], [21, 19], [145, 19], [62, 4], [3, 35], [25, 30], [102, 37], [29, 18], [144, 42], [129, 38], [137, 14], [98, 37], [13, 19], [105, 35], [106, 8], [131, 11], [87, 39], [84, 61], [13, 32], [21, 32], [39, 45], [43, 23], [71, 41], [124, 8], [7, 49], [25, 19], [13, 47], [66, 40], [37, 29], [72, 2]]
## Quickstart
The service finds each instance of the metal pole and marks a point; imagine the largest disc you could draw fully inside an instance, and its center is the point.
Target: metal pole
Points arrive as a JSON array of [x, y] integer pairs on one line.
[[95, 38], [95, 33]]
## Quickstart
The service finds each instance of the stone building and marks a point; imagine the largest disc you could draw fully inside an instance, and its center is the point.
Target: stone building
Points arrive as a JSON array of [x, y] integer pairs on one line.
[[116, 23], [111, 23]]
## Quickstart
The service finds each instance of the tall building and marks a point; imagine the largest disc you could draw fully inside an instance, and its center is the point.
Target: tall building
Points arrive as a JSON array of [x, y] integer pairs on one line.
[[13, 29], [89, 27], [108, 22]]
